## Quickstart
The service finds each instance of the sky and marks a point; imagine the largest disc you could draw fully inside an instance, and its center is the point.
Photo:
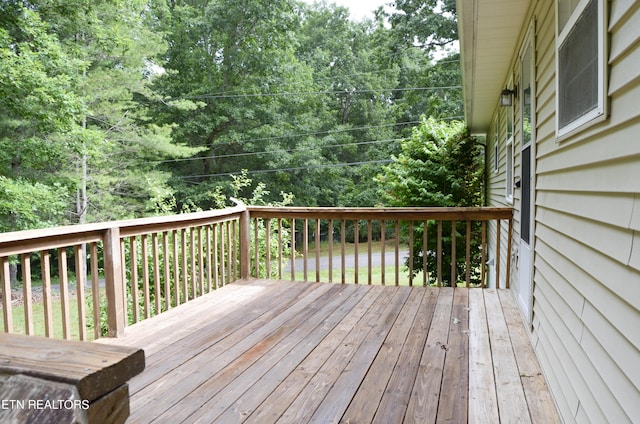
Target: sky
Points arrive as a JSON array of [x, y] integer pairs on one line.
[[359, 8]]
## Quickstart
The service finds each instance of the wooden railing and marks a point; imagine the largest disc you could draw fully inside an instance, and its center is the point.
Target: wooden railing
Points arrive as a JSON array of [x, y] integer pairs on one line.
[[378, 245], [88, 281], [131, 270]]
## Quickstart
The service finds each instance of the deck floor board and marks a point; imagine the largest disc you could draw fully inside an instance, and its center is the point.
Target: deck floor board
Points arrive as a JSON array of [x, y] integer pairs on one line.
[[265, 351]]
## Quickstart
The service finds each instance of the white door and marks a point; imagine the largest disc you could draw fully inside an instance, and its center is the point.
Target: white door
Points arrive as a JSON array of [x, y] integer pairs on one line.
[[527, 185]]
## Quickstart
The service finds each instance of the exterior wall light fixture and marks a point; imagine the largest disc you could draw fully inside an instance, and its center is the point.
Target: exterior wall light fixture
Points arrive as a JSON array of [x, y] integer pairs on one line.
[[507, 96]]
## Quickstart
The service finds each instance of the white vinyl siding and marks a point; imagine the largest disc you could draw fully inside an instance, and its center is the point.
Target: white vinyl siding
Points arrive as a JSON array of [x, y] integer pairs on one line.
[[586, 306]]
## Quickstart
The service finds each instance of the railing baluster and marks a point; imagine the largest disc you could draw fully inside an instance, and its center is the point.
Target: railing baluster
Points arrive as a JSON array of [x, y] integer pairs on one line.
[[280, 247], [192, 257], [64, 292], [234, 250], [356, 242], [134, 278], [145, 277], [80, 282], [369, 240], [123, 276], [454, 267], [26, 293], [208, 248], [343, 240], [382, 252], [305, 247], [317, 248], [468, 252], [167, 270], [156, 273], [185, 270], [95, 290], [223, 258], [176, 268], [230, 256], [425, 251], [483, 255], [215, 244], [410, 253], [397, 252], [293, 249], [45, 258], [330, 236], [200, 262], [256, 243], [439, 254], [267, 239], [6, 295]]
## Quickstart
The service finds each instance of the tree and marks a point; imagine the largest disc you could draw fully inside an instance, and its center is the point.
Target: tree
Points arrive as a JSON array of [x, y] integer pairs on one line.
[[440, 165], [38, 106], [234, 62], [77, 87]]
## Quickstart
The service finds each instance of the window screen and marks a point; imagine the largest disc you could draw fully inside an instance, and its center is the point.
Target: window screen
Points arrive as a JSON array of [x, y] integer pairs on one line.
[[578, 68], [525, 218]]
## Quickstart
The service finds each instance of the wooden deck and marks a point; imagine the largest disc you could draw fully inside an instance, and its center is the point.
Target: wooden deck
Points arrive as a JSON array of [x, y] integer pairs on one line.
[[271, 351]]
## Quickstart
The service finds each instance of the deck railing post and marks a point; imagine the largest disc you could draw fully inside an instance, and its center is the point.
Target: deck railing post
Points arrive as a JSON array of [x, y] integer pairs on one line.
[[116, 305], [245, 244]]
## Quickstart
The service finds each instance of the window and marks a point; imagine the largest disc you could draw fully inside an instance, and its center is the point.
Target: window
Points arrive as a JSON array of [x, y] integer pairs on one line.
[[581, 64], [509, 172]]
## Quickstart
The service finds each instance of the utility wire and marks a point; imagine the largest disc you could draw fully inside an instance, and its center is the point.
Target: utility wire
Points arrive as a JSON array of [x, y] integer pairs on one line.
[[304, 135], [307, 93], [300, 168], [272, 152], [280, 137]]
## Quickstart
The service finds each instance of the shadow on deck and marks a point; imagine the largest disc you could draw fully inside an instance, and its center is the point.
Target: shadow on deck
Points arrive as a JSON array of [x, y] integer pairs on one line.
[[263, 351]]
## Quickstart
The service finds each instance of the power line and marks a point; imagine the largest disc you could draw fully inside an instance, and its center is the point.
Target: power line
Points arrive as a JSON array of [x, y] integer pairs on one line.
[[271, 152], [303, 135], [308, 93], [300, 168]]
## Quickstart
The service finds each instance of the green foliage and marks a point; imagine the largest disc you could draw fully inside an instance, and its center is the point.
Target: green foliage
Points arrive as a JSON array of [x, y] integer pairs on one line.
[[257, 197], [440, 165], [36, 88], [25, 204], [125, 109]]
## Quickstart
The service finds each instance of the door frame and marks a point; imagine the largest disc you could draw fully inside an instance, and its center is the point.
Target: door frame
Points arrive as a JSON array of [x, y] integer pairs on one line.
[[526, 265]]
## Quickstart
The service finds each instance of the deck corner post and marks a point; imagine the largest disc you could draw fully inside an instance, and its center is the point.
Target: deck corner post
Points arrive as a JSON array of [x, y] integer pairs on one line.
[[116, 305], [245, 244]]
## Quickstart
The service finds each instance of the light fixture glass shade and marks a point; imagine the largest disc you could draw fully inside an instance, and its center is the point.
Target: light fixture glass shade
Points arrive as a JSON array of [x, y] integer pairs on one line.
[[506, 97]]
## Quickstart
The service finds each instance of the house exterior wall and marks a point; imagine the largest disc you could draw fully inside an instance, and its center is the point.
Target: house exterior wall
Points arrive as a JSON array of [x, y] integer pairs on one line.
[[586, 293], [496, 196]]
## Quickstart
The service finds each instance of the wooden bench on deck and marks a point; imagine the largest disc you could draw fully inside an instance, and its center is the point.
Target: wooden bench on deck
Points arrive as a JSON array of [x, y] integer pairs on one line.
[[58, 381]]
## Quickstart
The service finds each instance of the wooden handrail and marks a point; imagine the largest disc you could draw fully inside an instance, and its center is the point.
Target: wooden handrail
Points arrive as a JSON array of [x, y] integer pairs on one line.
[[415, 213], [415, 217]]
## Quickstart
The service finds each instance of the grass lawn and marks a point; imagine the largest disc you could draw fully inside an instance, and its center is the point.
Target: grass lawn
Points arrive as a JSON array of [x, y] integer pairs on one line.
[[38, 319]]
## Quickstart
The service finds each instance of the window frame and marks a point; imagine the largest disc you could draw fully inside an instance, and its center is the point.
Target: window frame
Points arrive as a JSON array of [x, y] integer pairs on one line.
[[509, 150], [599, 113], [508, 175], [496, 145]]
